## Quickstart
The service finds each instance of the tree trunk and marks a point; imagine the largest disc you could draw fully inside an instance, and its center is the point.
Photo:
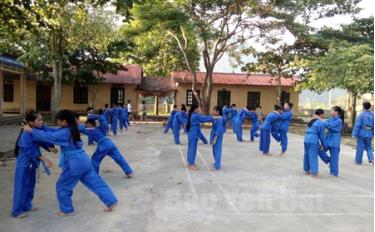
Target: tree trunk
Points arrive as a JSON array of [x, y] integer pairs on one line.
[[278, 98], [352, 103], [206, 91], [93, 91], [57, 66]]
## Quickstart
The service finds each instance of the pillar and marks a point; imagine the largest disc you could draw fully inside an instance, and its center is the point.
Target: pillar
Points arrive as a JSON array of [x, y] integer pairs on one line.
[[23, 93], [1, 92], [156, 105]]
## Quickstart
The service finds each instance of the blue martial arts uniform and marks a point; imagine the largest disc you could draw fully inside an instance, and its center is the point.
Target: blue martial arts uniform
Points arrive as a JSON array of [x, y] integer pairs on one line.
[[314, 137], [123, 118], [233, 114], [194, 133], [103, 127], [255, 125], [107, 115], [77, 167], [170, 121], [25, 173], [268, 127], [115, 116], [240, 118], [179, 120], [217, 134], [104, 147], [333, 141], [364, 132], [226, 114], [91, 117], [285, 119]]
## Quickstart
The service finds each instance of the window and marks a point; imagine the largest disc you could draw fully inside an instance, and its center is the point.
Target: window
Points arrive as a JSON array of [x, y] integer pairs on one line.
[[223, 97], [80, 94], [190, 98], [8, 91], [285, 97], [117, 95], [253, 99]]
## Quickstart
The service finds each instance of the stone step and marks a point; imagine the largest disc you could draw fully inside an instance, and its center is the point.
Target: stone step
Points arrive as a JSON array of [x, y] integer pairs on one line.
[[11, 120]]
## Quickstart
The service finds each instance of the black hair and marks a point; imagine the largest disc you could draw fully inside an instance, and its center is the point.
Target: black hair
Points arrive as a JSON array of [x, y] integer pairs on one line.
[[317, 112], [219, 109], [89, 108], [259, 106], [143, 102], [340, 111], [174, 106], [290, 105], [193, 107], [70, 117], [100, 111], [277, 107], [251, 108], [90, 121], [31, 116], [106, 106], [233, 105], [183, 108], [366, 105], [129, 101]]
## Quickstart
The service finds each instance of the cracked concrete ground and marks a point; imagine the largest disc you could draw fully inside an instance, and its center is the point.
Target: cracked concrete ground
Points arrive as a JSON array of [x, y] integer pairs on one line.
[[250, 193]]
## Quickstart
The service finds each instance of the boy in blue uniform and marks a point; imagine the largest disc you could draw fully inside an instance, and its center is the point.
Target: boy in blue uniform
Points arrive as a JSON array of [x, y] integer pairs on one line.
[[333, 138], [252, 114], [28, 160], [114, 116], [268, 127], [285, 119], [104, 147], [314, 140], [233, 114], [364, 132], [193, 127], [170, 119], [240, 118], [91, 115], [107, 115], [178, 122], [216, 138], [103, 127]]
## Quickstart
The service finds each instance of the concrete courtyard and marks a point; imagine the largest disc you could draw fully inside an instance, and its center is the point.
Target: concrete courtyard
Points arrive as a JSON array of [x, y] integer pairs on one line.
[[251, 192]]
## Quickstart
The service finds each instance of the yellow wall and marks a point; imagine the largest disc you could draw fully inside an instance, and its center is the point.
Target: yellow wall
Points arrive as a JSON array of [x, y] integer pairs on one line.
[[239, 95], [103, 97]]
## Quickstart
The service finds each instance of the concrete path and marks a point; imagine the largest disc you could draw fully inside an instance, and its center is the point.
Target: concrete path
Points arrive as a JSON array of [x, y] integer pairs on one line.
[[250, 193]]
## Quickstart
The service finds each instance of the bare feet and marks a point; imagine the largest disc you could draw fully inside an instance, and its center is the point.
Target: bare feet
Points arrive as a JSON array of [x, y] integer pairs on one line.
[[307, 173], [316, 176], [192, 167], [34, 209], [130, 175], [110, 208], [282, 153], [267, 154], [61, 214], [22, 215]]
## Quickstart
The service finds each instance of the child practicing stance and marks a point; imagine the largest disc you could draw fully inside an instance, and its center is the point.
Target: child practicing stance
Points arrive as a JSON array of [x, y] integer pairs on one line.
[[314, 140], [170, 119], [216, 138], [285, 119], [28, 160], [193, 127], [178, 122], [252, 114], [76, 164], [104, 147], [268, 127]]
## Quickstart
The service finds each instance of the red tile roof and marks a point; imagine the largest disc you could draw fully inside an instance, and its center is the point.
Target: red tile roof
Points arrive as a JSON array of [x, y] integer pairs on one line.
[[153, 86], [234, 79], [132, 75]]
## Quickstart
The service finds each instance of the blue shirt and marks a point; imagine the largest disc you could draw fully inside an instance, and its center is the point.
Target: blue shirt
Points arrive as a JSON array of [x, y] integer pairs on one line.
[[270, 121], [253, 117], [195, 124], [334, 126], [315, 133], [115, 113], [241, 116], [180, 118], [218, 128], [171, 117], [285, 119], [364, 125]]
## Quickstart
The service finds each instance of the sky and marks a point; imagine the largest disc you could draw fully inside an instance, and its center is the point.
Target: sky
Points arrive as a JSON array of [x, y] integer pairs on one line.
[[367, 6]]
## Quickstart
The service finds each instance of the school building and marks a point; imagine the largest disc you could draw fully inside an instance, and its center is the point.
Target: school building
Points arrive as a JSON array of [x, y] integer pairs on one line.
[[20, 91]]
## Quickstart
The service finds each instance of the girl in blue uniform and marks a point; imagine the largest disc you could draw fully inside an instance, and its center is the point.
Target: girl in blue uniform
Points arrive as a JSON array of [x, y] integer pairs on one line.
[[77, 166], [91, 115], [285, 119], [28, 160], [107, 114], [193, 127], [170, 119], [364, 132], [233, 114], [216, 138], [314, 140], [240, 118], [179, 121], [268, 127], [103, 127], [252, 114], [333, 138], [114, 115], [104, 147]]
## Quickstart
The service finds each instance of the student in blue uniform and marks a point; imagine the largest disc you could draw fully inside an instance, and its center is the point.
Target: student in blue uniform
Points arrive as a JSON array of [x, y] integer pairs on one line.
[[114, 116], [126, 117], [170, 119], [28, 161], [364, 132], [226, 114], [103, 123], [233, 114], [216, 138], [240, 118], [285, 119], [179, 121], [107, 114], [333, 138], [91, 115], [104, 147], [252, 114], [77, 166], [314, 140], [121, 112], [268, 127], [193, 127]]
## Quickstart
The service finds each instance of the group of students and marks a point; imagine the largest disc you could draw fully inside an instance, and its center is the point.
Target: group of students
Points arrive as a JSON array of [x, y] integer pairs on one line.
[[320, 137], [75, 163]]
